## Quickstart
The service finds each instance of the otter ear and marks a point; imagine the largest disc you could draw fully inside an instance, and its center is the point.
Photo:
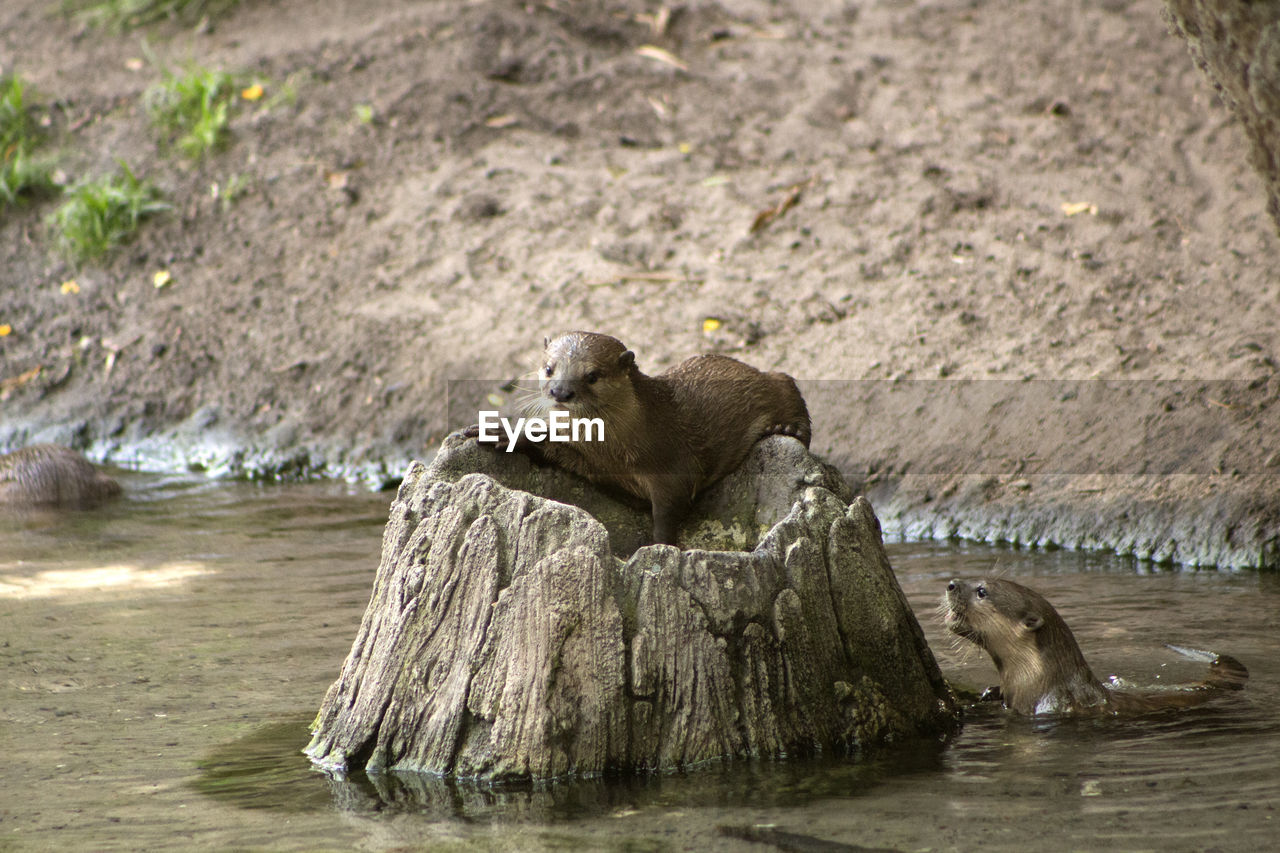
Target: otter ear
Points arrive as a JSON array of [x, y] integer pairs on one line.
[[1032, 621], [546, 342], [627, 360]]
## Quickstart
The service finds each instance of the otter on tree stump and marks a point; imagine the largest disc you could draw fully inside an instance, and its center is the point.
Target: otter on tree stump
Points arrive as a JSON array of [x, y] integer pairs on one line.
[[46, 475], [666, 437], [1042, 670], [506, 640]]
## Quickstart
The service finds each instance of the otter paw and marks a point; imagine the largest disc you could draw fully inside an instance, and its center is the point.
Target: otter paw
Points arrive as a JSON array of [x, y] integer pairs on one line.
[[473, 431], [791, 430], [496, 441]]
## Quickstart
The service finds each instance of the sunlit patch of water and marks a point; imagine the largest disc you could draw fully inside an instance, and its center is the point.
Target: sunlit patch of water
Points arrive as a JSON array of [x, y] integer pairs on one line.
[[93, 579]]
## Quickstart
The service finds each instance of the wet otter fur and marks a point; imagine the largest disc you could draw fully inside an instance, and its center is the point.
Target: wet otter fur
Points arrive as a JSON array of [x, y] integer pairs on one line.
[[666, 437], [1042, 670], [50, 476]]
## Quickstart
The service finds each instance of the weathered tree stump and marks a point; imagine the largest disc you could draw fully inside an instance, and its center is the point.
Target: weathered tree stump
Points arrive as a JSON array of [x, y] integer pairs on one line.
[[507, 638]]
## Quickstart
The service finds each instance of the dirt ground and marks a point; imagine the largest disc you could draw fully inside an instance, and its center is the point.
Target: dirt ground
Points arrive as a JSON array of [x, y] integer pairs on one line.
[[1019, 257]]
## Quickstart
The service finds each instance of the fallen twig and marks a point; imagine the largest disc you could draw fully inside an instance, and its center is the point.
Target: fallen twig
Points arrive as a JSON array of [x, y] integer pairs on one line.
[[764, 217]]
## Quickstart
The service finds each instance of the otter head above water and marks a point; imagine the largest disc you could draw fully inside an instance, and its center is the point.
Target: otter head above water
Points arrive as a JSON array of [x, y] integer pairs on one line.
[[52, 476], [1041, 667]]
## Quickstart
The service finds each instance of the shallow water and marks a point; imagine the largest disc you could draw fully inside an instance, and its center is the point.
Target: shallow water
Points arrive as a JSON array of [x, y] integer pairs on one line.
[[160, 662]]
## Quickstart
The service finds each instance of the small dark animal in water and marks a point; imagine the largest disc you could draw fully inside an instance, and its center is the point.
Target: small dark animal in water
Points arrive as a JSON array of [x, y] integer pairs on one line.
[[1042, 670], [46, 475], [666, 437]]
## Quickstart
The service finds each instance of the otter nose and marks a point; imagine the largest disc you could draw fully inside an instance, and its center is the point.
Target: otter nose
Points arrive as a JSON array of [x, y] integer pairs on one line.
[[560, 393]]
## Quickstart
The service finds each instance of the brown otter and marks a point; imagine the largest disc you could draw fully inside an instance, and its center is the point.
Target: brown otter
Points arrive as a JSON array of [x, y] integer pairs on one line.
[[666, 437], [1042, 670], [46, 475]]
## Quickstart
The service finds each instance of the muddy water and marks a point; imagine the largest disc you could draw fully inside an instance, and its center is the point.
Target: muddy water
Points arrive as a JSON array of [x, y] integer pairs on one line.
[[160, 662]]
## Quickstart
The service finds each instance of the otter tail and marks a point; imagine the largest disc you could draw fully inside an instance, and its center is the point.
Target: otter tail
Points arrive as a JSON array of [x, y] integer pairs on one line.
[[1225, 672]]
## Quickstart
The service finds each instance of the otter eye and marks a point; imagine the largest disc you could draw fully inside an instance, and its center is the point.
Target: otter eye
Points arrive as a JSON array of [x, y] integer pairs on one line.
[[592, 377], [547, 370], [981, 592]]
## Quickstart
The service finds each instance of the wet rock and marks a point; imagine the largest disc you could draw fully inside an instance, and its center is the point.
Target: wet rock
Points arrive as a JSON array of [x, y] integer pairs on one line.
[[1131, 467], [1130, 516], [513, 634]]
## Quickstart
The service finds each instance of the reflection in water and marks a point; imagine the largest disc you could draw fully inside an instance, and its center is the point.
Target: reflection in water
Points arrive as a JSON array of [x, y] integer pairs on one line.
[[716, 785], [164, 704], [267, 770]]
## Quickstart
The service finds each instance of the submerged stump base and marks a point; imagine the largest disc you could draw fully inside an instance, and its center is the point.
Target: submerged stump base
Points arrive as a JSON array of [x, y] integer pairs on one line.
[[505, 639]]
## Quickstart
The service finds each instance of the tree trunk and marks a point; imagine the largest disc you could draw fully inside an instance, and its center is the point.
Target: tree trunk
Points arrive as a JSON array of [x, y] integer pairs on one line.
[[507, 637], [1237, 46]]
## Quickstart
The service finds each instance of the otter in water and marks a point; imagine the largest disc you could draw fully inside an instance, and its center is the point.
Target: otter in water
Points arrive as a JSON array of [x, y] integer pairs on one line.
[[46, 475], [1042, 670], [666, 437]]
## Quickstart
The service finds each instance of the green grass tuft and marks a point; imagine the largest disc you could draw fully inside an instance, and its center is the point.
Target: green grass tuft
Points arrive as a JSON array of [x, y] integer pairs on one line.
[[193, 110], [100, 215], [21, 173], [228, 192], [121, 15]]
